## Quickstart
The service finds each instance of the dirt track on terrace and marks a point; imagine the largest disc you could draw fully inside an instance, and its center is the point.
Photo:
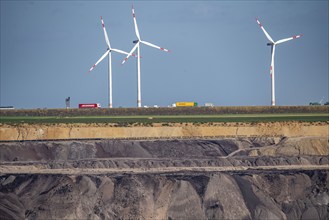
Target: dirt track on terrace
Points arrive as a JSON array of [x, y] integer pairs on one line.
[[39, 169]]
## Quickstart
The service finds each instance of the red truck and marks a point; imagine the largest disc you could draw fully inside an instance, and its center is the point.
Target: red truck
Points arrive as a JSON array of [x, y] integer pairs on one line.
[[93, 105]]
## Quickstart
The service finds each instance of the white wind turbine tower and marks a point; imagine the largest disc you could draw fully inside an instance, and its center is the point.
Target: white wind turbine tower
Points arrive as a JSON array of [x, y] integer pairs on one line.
[[109, 53], [272, 44], [137, 42]]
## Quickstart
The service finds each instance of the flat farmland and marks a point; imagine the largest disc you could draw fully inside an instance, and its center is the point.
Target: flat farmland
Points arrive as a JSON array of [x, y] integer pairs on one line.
[[149, 119], [167, 115]]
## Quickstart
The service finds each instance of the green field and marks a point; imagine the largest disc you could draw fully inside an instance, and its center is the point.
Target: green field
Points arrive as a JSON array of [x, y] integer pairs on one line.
[[148, 119]]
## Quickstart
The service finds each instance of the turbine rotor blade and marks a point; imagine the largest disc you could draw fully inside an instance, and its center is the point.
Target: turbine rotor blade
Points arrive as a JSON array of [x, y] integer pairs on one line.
[[135, 23], [155, 46], [266, 34], [120, 51], [288, 39], [105, 34], [100, 59], [130, 53]]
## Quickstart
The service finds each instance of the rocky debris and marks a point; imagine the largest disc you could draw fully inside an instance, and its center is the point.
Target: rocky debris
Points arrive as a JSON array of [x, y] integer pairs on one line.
[[244, 194], [157, 164], [180, 148], [285, 195], [164, 153], [295, 147]]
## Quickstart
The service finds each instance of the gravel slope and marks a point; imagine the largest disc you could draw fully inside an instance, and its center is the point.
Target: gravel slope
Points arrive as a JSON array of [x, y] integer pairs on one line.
[[230, 178]]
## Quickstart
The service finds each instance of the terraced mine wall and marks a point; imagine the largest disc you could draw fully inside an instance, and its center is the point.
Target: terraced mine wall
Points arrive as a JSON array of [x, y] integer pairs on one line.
[[174, 130], [166, 179], [265, 171]]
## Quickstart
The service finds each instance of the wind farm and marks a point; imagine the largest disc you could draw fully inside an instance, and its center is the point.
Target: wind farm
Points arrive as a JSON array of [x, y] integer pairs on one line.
[[207, 137], [206, 65], [131, 53], [139, 41]]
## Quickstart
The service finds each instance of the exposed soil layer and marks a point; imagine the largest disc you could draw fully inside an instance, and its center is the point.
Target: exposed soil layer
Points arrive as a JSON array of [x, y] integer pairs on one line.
[[164, 131], [223, 178]]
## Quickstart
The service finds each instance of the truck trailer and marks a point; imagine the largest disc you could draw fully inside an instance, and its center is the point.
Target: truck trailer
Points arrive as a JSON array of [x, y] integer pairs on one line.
[[186, 104], [92, 105]]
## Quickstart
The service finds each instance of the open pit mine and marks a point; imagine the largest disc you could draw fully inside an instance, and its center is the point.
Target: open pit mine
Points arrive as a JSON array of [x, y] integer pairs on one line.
[[179, 171]]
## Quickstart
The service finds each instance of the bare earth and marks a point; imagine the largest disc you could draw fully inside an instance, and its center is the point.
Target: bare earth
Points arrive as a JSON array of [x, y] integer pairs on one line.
[[171, 130], [237, 177]]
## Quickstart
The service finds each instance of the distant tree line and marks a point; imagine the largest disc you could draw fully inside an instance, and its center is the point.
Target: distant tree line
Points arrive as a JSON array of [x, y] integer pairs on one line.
[[318, 103]]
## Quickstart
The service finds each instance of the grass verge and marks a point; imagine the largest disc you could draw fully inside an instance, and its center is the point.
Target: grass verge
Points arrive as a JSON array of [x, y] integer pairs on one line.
[[318, 117]]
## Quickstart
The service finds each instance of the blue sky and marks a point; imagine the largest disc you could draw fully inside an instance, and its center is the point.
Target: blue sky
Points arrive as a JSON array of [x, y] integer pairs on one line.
[[219, 53]]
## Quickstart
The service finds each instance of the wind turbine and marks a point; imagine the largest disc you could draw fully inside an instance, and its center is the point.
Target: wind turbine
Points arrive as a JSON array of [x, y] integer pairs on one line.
[[109, 54], [137, 46], [272, 44]]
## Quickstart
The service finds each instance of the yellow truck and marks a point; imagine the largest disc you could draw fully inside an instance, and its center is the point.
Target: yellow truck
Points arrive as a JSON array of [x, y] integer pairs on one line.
[[186, 104]]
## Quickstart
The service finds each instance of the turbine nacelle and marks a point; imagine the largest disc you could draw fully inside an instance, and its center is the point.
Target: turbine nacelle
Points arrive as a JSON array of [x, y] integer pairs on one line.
[[135, 41], [269, 44]]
